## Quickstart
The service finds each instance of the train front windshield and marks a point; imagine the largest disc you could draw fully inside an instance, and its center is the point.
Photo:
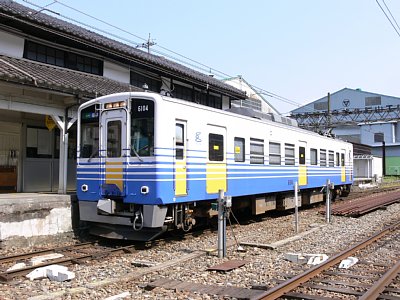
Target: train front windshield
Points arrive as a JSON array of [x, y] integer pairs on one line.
[[89, 132], [142, 127]]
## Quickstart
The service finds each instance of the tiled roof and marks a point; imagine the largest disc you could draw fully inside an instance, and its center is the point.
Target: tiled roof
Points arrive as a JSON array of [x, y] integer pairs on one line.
[[51, 77], [22, 13]]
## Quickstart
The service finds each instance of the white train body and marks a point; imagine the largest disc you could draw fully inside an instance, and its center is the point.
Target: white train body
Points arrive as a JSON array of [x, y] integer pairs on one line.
[[148, 162]]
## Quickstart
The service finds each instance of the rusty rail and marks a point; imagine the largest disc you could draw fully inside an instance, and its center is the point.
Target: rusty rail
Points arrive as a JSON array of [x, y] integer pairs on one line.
[[364, 205]]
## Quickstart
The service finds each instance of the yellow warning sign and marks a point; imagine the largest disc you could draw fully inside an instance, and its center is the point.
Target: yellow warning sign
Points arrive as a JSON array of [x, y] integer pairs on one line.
[[50, 124]]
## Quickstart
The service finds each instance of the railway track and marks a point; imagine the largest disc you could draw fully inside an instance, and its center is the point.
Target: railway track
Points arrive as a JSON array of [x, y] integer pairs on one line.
[[368, 280], [74, 254]]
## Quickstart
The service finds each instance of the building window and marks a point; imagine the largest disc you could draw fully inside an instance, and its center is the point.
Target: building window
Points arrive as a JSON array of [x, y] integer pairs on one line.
[[289, 154], [38, 144], [321, 106], [215, 147], [379, 137], [153, 84], [61, 58], [183, 92], [370, 101], [239, 149], [274, 153], [322, 158], [331, 158], [256, 151], [313, 157]]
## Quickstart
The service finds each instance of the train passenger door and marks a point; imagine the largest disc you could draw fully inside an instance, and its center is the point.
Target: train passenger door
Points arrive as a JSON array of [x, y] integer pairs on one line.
[[302, 164], [216, 163], [113, 148], [180, 159], [343, 165]]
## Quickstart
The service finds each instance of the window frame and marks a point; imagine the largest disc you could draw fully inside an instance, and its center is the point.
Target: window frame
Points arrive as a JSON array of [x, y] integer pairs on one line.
[[257, 150], [274, 155], [241, 155]]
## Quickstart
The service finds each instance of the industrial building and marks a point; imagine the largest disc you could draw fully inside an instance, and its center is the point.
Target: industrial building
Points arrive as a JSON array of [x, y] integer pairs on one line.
[[360, 117]]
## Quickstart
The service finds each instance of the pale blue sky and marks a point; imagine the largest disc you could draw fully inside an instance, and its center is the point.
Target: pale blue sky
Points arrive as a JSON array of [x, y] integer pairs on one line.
[[300, 50]]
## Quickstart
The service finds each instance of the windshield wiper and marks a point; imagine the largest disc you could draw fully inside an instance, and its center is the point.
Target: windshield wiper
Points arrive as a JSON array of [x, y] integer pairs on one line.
[[136, 154]]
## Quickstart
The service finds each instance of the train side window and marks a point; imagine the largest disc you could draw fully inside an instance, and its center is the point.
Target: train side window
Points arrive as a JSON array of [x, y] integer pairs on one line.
[[302, 155], [179, 141], [215, 147], [289, 154], [239, 149], [322, 158], [114, 139], [331, 158], [313, 157], [337, 159], [257, 151], [342, 159], [274, 153]]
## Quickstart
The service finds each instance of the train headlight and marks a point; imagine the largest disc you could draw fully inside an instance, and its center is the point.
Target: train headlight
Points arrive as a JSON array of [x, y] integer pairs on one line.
[[84, 188], [115, 104]]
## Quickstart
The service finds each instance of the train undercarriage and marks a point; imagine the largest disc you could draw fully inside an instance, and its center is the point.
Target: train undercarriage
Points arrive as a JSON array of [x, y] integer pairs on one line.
[[111, 218]]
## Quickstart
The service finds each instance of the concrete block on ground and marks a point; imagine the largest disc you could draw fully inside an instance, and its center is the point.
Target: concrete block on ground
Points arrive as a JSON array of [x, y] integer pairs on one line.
[[348, 262], [17, 266], [37, 260], [38, 273], [315, 259], [297, 258], [59, 273]]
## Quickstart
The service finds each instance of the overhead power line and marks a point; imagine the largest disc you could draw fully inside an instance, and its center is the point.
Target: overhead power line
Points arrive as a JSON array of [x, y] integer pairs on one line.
[[391, 18]]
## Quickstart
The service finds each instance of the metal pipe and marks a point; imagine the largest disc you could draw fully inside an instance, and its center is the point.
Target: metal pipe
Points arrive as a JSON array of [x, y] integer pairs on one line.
[[296, 207], [221, 225], [328, 201]]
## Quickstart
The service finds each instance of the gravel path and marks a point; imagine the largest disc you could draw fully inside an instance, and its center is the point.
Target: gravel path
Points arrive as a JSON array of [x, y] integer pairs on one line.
[[263, 266]]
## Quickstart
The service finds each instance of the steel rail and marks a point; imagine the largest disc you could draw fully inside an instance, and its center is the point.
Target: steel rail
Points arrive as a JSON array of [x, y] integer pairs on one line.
[[297, 280], [15, 257], [374, 291], [8, 275]]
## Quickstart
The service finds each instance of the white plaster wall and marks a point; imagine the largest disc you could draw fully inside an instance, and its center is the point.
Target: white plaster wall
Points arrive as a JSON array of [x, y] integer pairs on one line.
[[116, 72], [11, 45], [58, 221]]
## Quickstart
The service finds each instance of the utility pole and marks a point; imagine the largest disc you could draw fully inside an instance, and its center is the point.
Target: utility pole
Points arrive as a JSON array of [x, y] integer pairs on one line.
[[147, 45]]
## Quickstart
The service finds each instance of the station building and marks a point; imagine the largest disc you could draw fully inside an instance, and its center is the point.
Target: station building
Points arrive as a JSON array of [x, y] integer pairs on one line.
[[48, 67], [359, 117]]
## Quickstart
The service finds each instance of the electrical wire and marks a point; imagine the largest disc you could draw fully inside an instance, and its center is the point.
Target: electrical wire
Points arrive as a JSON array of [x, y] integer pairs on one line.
[[391, 23], [189, 62]]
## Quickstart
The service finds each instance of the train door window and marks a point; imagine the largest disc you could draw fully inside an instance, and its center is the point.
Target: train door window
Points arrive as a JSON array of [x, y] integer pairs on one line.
[[274, 153], [114, 139], [313, 157], [289, 154], [179, 141], [256, 151], [322, 158], [337, 159], [331, 158], [302, 155], [239, 149], [342, 159], [215, 147]]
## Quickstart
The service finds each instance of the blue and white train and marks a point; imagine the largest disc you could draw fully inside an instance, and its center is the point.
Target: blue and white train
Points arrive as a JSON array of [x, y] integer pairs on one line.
[[148, 163]]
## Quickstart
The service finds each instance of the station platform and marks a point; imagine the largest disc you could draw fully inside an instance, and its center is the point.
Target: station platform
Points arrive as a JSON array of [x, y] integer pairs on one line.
[[25, 215]]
